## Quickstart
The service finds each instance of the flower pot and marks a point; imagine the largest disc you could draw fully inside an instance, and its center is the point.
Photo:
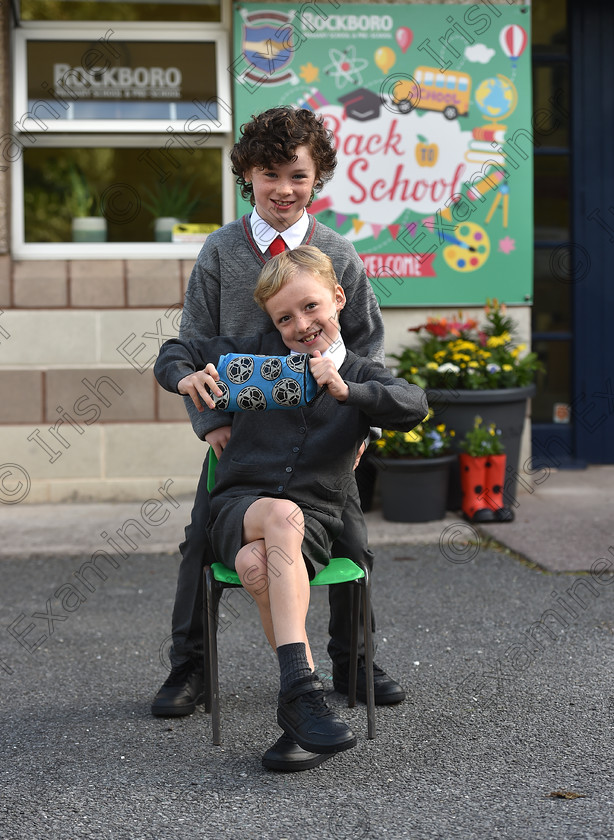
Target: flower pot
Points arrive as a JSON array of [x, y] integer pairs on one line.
[[163, 228], [89, 229], [414, 489], [506, 408], [482, 480]]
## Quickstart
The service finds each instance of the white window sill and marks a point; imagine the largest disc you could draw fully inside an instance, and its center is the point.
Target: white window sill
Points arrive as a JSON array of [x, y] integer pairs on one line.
[[108, 251]]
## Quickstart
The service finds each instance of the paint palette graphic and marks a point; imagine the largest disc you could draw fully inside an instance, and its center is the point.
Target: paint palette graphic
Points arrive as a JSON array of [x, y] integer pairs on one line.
[[468, 248]]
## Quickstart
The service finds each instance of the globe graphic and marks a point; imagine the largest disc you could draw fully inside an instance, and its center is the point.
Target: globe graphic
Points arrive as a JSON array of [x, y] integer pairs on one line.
[[496, 98]]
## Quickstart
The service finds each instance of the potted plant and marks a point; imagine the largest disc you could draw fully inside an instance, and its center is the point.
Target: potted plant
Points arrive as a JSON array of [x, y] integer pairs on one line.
[[413, 471], [170, 204], [482, 474], [82, 204], [467, 368]]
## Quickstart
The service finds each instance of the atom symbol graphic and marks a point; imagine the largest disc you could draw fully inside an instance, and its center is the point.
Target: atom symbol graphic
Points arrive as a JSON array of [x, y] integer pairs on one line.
[[345, 67]]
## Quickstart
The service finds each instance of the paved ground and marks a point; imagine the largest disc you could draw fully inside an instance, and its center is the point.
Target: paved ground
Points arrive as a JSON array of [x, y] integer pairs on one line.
[[506, 732]]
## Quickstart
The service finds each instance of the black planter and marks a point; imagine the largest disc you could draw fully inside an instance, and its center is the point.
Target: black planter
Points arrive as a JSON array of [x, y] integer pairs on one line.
[[506, 407], [414, 489]]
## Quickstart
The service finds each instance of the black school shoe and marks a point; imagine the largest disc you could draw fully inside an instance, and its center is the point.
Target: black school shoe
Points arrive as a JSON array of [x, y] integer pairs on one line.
[[182, 692], [303, 715], [387, 691], [286, 756]]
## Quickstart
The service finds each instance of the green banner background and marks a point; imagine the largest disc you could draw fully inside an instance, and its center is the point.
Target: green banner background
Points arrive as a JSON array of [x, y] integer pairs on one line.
[[431, 111]]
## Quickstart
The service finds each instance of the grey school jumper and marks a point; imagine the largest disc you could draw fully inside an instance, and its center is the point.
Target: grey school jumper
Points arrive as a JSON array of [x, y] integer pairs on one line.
[[219, 299]]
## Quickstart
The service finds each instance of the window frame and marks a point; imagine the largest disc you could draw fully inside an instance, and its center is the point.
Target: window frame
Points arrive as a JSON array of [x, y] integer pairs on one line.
[[115, 133]]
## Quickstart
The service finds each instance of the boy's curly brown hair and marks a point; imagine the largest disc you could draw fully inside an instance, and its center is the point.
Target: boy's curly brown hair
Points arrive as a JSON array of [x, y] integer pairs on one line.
[[272, 137]]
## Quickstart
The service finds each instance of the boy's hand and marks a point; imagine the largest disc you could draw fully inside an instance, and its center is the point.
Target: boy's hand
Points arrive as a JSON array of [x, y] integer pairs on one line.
[[218, 439], [325, 373], [359, 455], [195, 385]]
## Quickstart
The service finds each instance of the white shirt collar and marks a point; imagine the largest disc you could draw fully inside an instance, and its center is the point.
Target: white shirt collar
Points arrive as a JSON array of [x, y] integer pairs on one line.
[[336, 352], [264, 234]]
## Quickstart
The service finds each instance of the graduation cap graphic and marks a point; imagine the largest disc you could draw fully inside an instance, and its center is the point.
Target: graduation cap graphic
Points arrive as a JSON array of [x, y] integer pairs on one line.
[[361, 104]]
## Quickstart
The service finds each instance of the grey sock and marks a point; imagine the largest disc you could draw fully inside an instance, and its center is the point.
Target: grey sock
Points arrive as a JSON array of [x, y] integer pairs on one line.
[[292, 664]]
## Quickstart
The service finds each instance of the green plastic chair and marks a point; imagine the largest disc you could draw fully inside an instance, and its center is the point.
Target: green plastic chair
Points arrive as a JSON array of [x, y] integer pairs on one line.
[[340, 570]]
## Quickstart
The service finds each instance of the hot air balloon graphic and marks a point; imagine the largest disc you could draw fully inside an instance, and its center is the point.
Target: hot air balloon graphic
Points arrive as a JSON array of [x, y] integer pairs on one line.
[[404, 36], [513, 40]]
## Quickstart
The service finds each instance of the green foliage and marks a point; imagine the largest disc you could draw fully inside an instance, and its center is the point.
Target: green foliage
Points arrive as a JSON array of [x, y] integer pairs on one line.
[[81, 201], [482, 440], [171, 199], [44, 217], [427, 440], [459, 354]]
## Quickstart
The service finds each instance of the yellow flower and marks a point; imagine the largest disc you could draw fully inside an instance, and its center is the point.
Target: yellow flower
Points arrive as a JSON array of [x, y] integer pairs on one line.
[[441, 428], [414, 370], [461, 345], [432, 365], [506, 367], [380, 443], [498, 340]]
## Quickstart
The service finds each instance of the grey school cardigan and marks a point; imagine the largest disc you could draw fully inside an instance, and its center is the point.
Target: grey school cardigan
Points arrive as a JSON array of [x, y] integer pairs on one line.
[[303, 454], [219, 298]]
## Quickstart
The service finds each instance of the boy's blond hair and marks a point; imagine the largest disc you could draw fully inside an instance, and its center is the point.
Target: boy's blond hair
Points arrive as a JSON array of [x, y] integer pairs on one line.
[[287, 265]]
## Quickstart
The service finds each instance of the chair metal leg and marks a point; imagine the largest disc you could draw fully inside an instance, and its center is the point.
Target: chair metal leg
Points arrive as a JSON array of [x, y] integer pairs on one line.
[[368, 637], [354, 645], [212, 597], [206, 656]]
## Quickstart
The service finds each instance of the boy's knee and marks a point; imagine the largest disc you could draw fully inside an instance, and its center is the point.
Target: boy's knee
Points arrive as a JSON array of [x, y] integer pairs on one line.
[[286, 514], [252, 554]]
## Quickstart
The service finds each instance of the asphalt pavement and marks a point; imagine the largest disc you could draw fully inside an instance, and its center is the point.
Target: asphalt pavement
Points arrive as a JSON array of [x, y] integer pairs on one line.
[[502, 636]]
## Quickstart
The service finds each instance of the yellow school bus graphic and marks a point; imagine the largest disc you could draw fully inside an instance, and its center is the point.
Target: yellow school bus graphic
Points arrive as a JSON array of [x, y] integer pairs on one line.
[[432, 89]]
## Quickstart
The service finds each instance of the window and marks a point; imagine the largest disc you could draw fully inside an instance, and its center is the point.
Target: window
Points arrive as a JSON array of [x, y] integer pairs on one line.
[[128, 187], [119, 82], [121, 122], [137, 10]]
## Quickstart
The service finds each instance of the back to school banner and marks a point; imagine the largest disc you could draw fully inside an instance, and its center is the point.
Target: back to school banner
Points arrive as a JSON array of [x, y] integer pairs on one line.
[[430, 107]]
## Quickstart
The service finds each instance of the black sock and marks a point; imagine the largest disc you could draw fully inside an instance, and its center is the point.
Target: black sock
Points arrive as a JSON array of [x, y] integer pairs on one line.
[[292, 664]]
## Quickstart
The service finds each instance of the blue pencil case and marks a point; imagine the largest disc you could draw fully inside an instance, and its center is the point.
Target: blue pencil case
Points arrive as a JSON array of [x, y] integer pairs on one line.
[[264, 383]]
